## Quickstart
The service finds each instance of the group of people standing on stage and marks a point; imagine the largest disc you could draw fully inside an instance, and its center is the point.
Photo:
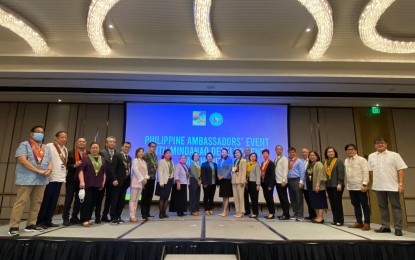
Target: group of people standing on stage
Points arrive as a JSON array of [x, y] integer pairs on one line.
[[92, 174]]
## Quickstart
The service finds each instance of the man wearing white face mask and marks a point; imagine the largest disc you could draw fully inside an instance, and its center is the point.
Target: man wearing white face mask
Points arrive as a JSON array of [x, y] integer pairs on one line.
[[34, 166]]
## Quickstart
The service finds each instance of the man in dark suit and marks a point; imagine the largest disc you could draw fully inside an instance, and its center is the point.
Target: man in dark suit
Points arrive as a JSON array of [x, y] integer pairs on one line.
[[147, 196], [121, 169], [72, 183], [268, 182], [108, 154]]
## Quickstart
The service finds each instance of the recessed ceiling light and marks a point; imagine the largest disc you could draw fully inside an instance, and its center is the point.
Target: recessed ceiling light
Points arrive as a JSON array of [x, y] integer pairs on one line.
[[377, 105], [308, 30], [110, 26], [59, 100]]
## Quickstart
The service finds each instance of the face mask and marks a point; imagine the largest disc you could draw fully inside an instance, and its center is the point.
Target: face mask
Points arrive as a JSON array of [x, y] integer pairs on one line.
[[38, 136]]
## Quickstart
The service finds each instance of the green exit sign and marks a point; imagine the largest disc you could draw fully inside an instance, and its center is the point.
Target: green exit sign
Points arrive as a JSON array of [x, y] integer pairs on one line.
[[375, 110]]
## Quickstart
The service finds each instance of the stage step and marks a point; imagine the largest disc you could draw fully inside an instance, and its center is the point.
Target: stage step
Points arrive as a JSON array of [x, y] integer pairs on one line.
[[199, 257]]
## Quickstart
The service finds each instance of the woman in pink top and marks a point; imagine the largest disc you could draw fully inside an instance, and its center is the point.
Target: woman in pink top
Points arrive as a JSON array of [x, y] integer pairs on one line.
[[138, 181]]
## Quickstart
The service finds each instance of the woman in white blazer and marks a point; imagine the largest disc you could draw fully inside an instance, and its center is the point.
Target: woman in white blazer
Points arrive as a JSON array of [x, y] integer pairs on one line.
[[138, 181], [165, 177]]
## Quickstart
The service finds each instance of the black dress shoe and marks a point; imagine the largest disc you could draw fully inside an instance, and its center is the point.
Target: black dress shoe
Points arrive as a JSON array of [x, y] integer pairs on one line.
[[50, 224], [398, 232], [66, 223], [97, 221], [74, 221], [247, 213], [284, 218], [105, 219], [161, 216], [383, 230]]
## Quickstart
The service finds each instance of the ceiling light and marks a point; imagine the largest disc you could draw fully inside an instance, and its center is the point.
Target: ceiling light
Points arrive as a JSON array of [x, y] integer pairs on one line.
[[322, 14], [59, 100], [308, 30], [98, 10], [201, 9], [111, 26], [29, 33], [370, 36]]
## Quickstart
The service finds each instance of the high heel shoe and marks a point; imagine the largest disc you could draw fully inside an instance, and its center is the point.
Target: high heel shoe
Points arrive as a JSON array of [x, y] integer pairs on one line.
[[270, 216], [133, 220], [223, 214], [319, 222], [85, 224]]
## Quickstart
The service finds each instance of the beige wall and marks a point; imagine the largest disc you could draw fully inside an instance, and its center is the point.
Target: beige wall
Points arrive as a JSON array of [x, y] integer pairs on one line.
[[78, 120]]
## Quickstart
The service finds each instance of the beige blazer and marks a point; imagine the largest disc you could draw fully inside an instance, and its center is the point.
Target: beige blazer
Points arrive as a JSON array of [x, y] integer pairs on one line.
[[240, 177], [163, 171], [319, 176]]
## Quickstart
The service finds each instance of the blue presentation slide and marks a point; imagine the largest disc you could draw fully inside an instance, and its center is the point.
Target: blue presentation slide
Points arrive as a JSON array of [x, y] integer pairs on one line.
[[203, 128]]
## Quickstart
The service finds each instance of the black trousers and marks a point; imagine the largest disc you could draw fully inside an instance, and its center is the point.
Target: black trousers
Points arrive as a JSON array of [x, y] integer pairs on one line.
[[107, 193], [311, 212], [118, 199], [253, 193], [147, 197], [246, 201], [194, 195], [336, 203], [208, 195], [72, 189], [90, 200], [283, 196], [49, 202], [180, 203], [360, 201], [269, 198]]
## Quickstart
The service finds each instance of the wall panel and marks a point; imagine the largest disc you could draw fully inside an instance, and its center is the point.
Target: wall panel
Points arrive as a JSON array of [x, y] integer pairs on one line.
[[336, 129], [300, 128], [404, 122], [116, 124]]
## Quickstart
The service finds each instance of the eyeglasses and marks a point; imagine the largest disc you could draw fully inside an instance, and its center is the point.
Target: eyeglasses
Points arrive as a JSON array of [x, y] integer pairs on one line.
[[152, 146]]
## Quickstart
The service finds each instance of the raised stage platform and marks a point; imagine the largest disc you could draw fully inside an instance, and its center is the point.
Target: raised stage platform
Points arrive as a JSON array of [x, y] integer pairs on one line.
[[230, 237]]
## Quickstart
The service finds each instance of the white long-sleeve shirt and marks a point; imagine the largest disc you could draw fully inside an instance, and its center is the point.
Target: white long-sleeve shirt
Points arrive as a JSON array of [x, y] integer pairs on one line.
[[281, 169], [357, 172]]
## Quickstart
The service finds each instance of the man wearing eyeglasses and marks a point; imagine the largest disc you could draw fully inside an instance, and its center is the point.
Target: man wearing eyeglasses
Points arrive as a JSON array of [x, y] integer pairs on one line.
[[386, 169], [148, 191]]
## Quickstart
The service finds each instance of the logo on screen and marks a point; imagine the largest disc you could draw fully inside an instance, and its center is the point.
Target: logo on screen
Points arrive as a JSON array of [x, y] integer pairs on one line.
[[199, 118], [216, 119]]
